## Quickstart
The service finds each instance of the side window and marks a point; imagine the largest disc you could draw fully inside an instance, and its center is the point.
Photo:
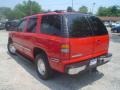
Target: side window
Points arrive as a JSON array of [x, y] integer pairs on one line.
[[98, 26], [22, 25], [31, 27], [51, 25]]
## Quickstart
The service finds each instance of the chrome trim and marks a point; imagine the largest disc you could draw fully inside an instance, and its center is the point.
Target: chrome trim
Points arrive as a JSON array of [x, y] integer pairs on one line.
[[23, 47], [55, 60], [106, 57], [12, 48], [41, 67], [77, 55], [73, 71]]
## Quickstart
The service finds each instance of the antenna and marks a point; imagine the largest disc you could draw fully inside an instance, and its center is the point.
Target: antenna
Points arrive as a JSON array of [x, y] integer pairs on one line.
[[72, 5]]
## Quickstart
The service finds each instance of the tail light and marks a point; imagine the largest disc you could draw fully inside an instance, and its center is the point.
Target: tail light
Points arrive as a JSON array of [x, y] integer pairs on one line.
[[64, 48], [65, 52]]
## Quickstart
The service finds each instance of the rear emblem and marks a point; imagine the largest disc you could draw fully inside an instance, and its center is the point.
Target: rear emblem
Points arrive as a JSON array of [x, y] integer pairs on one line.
[[77, 55]]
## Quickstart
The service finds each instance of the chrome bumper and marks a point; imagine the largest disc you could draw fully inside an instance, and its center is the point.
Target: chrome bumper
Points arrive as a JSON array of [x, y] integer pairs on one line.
[[85, 65], [106, 58]]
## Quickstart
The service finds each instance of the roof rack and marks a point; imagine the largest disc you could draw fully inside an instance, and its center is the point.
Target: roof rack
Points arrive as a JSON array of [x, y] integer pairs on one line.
[[56, 11], [60, 11]]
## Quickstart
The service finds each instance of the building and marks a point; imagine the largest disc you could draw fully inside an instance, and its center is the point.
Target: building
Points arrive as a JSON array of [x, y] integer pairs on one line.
[[110, 19]]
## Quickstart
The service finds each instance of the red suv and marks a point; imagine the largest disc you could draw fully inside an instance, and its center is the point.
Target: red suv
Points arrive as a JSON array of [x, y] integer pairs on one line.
[[66, 42]]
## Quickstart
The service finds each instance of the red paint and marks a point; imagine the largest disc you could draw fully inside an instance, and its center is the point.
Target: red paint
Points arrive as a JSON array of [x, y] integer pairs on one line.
[[88, 47]]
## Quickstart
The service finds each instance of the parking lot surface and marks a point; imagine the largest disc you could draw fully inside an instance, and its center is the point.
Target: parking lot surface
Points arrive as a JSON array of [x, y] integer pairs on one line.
[[17, 73]]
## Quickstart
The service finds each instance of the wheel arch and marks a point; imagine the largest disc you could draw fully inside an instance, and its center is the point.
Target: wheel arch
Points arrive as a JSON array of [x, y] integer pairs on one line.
[[9, 39], [37, 51]]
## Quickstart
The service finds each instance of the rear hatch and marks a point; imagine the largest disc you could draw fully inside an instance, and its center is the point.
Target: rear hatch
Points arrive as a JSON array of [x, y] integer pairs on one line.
[[80, 37], [88, 36], [101, 37]]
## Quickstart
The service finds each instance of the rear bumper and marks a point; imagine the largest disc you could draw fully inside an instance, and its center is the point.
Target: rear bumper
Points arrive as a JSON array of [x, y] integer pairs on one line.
[[76, 68]]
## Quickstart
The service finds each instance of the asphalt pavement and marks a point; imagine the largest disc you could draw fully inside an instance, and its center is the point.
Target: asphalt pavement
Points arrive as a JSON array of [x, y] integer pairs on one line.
[[17, 73]]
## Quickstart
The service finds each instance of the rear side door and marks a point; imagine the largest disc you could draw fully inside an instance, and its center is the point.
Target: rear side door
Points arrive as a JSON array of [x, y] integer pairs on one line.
[[101, 37], [50, 35]]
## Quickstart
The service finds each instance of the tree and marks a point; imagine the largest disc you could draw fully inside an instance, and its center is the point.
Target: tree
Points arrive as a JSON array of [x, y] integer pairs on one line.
[[26, 8], [6, 12], [103, 11], [114, 10], [109, 11], [83, 9], [69, 9], [20, 10]]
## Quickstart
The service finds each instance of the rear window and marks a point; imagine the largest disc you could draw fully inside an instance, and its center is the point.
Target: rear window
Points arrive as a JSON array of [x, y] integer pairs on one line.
[[97, 26], [78, 26]]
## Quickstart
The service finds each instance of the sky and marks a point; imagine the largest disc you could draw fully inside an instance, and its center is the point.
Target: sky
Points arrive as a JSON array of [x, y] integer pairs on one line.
[[63, 4]]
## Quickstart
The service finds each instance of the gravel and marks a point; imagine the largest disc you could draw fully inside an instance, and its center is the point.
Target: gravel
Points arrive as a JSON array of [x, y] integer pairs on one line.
[[17, 73]]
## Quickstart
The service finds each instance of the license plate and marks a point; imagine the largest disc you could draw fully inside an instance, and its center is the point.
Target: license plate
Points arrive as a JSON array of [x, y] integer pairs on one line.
[[93, 62]]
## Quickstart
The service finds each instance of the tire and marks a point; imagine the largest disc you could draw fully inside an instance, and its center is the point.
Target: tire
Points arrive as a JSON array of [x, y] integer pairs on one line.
[[43, 68], [11, 48]]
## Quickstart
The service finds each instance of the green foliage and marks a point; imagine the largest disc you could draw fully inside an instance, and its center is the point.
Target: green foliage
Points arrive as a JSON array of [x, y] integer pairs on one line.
[[26, 8], [21, 10], [31, 7], [83, 9], [6, 12], [69, 9], [110, 11]]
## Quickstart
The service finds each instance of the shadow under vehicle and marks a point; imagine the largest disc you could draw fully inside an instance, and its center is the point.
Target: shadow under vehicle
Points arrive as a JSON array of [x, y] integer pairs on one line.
[[59, 81]]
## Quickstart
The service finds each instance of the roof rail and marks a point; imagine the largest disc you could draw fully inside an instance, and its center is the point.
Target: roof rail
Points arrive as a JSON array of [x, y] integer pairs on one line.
[[60, 11], [56, 11]]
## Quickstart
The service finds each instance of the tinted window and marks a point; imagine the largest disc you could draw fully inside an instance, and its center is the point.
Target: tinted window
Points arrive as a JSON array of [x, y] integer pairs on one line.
[[78, 26], [14, 23], [98, 26], [51, 24], [31, 27], [22, 25]]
